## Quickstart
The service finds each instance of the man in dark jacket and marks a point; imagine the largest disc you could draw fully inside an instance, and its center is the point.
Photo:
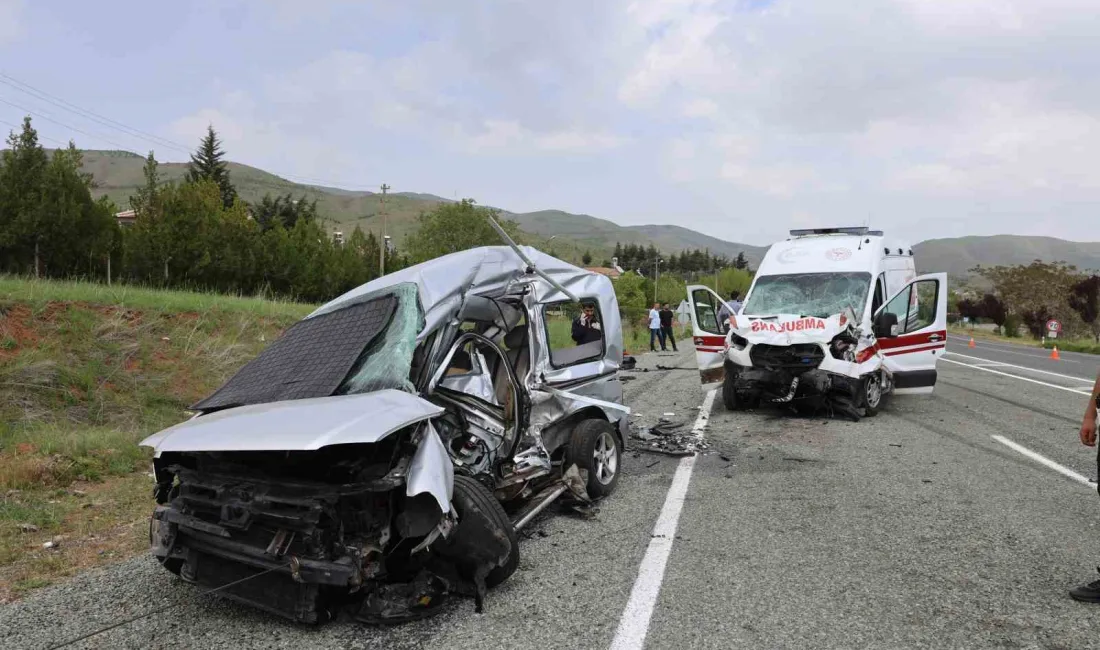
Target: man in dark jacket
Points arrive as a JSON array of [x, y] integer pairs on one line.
[[666, 325], [1090, 593], [586, 327]]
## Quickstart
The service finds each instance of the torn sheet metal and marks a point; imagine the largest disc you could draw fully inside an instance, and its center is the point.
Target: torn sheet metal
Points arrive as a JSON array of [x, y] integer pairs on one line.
[[431, 470], [487, 271]]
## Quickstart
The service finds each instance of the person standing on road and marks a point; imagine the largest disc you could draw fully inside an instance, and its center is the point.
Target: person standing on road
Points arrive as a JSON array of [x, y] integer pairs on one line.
[[666, 326], [1090, 593], [728, 309], [655, 332]]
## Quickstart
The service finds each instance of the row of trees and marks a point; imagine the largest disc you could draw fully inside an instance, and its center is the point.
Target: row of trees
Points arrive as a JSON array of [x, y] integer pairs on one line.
[[199, 234], [1033, 294], [694, 262]]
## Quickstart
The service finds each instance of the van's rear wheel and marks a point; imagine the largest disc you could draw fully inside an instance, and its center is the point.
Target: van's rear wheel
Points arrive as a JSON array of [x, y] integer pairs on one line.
[[595, 448]]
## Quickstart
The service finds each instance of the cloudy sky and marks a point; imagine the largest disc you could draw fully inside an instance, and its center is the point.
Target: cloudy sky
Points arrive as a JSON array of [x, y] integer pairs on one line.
[[738, 118]]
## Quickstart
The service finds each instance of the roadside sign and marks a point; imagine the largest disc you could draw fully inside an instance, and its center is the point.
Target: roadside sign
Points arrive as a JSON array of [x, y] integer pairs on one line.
[[1053, 327]]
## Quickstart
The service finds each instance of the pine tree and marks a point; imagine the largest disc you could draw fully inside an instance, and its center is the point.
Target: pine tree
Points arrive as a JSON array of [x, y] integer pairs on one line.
[[586, 259], [741, 262], [207, 164], [22, 179]]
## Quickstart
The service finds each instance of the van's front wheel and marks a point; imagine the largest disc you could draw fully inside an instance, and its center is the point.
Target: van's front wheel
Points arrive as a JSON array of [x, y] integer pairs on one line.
[[871, 393]]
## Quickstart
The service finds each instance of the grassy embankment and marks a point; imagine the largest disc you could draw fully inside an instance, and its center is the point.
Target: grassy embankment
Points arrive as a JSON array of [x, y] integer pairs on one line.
[[87, 371]]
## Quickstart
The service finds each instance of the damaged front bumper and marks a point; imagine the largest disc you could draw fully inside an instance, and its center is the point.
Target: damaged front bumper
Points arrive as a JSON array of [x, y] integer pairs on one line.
[[296, 550], [804, 376]]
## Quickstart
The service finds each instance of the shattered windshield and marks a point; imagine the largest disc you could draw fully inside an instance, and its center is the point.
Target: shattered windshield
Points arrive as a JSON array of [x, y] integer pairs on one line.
[[809, 294], [387, 361]]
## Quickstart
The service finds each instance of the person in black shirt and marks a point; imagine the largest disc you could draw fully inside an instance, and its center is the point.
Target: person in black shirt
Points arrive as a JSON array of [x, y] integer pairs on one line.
[[586, 327], [1090, 593], [666, 325]]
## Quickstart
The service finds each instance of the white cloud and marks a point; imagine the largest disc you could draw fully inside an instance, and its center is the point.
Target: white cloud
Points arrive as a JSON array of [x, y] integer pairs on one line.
[[509, 136], [11, 16], [825, 108], [701, 107]]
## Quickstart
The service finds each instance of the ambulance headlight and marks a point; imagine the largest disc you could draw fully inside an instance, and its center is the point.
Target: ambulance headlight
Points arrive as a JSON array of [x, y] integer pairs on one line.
[[738, 342]]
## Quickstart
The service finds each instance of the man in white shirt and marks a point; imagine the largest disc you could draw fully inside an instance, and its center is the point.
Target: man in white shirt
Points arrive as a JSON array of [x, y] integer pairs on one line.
[[655, 331]]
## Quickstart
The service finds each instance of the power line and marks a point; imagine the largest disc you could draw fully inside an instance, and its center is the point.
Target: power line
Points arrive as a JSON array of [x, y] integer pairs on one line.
[[73, 108], [130, 131], [50, 119], [18, 127]]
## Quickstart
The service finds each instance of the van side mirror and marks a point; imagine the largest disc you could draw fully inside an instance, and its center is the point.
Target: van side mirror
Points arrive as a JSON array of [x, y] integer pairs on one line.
[[886, 325]]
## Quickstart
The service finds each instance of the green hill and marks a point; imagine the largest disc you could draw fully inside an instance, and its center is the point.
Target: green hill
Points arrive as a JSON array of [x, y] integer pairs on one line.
[[958, 255], [119, 175]]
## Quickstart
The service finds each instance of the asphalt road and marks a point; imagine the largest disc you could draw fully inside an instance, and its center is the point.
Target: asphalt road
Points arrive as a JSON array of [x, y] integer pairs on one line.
[[921, 527]]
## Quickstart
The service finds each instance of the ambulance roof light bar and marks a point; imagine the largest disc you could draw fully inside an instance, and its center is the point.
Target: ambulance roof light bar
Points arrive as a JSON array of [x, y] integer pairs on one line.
[[857, 231]]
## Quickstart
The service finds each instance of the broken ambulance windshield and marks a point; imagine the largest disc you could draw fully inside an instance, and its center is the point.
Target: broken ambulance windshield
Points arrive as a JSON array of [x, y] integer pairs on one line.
[[809, 294]]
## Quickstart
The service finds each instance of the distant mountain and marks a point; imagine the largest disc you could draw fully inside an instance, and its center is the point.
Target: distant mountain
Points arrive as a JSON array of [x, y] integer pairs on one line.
[[958, 255], [119, 174]]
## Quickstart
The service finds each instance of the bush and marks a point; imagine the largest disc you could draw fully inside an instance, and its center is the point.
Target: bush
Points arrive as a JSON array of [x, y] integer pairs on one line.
[[1012, 326]]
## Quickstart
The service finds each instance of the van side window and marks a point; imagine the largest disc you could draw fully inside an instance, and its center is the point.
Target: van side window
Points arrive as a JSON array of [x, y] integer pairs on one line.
[[915, 306], [575, 332], [879, 297]]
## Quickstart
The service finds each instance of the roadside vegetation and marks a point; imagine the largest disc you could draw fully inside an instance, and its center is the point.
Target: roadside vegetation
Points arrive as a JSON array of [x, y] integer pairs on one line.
[[86, 372], [1025, 297]]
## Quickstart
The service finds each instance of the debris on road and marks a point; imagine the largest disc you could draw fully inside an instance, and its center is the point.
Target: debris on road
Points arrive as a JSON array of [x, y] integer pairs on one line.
[[653, 464], [667, 438], [799, 460]]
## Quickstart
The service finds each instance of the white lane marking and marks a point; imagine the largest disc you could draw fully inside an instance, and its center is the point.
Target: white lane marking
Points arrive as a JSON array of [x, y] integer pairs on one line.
[[1012, 365], [992, 365], [634, 624], [1005, 374], [1064, 471], [1039, 353]]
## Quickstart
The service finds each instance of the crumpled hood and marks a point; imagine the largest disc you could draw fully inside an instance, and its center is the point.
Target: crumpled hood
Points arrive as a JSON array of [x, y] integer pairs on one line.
[[305, 424], [791, 329]]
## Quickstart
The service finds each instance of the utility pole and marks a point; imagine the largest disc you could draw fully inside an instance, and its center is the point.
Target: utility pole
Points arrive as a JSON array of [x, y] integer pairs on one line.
[[382, 237], [656, 276]]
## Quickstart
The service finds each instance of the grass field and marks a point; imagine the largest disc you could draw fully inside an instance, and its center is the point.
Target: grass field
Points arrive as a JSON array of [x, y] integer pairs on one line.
[[86, 372]]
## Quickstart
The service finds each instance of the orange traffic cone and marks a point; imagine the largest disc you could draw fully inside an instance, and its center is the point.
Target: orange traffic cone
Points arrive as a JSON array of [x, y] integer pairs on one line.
[[971, 344], [1054, 354]]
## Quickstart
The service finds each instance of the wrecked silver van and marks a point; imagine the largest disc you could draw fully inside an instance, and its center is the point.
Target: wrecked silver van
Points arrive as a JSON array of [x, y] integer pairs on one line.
[[384, 451]]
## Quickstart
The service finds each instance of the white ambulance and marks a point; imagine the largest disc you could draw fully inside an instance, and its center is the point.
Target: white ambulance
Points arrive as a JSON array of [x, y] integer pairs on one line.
[[836, 319]]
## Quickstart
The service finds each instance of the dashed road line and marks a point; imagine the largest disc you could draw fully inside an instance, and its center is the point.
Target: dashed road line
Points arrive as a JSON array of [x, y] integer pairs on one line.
[[1005, 374], [1043, 460], [634, 624], [1027, 368]]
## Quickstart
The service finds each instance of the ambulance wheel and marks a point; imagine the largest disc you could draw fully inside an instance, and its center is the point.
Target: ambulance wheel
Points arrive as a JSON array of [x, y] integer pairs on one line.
[[870, 389], [730, 398]]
